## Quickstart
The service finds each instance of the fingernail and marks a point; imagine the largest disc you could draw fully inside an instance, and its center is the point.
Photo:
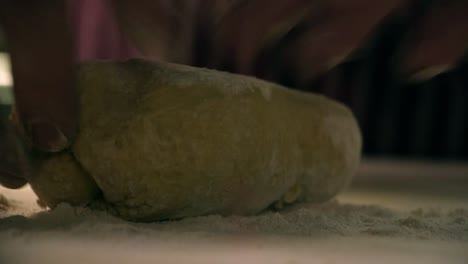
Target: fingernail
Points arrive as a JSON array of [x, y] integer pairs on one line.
[[47, 137], [428, 73]]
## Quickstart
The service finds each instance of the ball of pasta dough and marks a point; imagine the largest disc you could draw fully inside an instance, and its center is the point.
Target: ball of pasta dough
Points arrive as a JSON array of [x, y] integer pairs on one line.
[[164, 141]]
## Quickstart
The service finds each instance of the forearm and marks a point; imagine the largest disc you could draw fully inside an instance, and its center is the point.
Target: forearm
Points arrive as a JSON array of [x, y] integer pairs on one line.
[[42, 65]]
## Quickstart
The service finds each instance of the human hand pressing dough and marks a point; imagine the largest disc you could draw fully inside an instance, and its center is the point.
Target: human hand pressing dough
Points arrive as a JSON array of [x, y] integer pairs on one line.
[[163, 141]]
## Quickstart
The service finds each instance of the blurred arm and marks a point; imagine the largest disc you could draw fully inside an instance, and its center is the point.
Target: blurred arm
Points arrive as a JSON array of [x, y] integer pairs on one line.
[[45, 100], [41, 56]]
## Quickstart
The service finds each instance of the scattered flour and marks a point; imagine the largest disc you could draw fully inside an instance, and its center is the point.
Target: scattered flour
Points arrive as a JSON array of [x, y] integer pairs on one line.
[[317, 221], [328, 233]]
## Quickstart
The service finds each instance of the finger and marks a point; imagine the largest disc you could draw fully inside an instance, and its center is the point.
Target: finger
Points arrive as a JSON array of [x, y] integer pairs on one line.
[[13, 162], [249, 26], [96, 33], [436, 42], [11, 180], [336, 33], [160, 29], [41, 58]]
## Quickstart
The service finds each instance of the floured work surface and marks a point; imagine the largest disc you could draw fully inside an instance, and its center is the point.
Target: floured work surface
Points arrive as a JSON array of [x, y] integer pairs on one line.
[[421, 218]]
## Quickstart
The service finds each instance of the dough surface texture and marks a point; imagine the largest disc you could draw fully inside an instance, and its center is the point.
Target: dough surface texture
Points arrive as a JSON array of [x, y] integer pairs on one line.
[[163, 141]]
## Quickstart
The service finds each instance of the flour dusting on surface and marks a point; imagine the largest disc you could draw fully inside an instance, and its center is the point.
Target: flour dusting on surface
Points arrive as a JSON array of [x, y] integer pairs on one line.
[[327, 220]]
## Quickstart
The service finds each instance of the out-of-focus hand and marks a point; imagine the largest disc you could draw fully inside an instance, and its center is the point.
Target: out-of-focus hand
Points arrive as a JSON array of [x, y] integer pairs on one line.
[[307, 38], [45, 99]]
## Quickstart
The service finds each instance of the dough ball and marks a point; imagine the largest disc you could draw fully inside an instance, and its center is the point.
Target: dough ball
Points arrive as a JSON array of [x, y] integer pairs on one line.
[[165, 141]]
